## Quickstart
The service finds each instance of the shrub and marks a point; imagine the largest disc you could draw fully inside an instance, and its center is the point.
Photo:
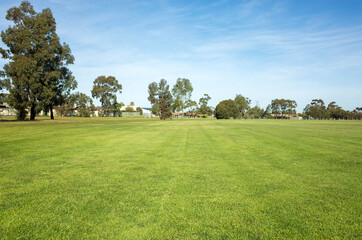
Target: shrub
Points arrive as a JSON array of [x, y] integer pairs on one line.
[[139, 109], [129, 109], [226, 109], [84, 112]]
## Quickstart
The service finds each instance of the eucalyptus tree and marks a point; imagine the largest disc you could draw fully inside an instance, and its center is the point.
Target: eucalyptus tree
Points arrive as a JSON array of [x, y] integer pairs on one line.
[[334, 111], [81, 100], [115, 108], [283, 106], [182, 92], [203, 105], [255, 112], [58, 80], [22, 71], [83, 103], [37, 73], [191, 105], [316, 109], [105, 89], [243, 103], [161, 99]]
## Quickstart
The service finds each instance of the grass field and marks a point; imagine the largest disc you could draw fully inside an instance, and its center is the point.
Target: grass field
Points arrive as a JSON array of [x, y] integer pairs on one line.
[[186, 179]]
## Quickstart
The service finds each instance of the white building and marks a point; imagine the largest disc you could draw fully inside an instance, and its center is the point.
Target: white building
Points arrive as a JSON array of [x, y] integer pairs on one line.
[[146, 112]]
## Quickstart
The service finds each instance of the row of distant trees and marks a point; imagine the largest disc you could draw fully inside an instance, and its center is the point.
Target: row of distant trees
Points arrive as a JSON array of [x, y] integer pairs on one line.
[[283, 108], [165, 101], [318, 110]]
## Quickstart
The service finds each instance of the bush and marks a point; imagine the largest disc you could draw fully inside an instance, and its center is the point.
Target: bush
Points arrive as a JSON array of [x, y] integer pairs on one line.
[[84, 112], [129, 109], [227, 109], [139, 110]]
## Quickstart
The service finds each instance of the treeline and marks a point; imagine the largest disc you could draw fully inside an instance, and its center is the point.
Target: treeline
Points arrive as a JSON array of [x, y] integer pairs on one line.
[[283, 108], [317, 110], [165, 101]]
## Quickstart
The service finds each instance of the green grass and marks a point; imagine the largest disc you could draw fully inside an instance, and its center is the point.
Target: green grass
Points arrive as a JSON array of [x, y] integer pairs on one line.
[[187, 179]]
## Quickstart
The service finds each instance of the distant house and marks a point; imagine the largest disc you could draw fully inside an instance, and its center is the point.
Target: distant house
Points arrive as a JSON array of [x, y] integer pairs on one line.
[[146, 112], [296, 118], [99, 112], [96, 112], [6, 110]]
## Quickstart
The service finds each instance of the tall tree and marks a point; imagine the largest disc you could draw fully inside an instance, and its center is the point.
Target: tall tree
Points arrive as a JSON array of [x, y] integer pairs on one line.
[[22, 71], [115, 109], [106, 89], [316, 109], [358, 109], [58, 80], [334, 111], [160, 98], [182, 92], [283, 106], [243, 103], [83, 103], [267, 112], [203, 105], [256, 112], [36, 72], [191, 105]]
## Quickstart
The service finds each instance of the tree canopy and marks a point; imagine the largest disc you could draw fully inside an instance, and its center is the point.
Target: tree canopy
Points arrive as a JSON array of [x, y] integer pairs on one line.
[[203, 105], [161, 99], [256, 112], [83, 103], [106, 89], [227, 109], [283, 106], [243, 103], [182, 92], [37, 75], [316, 109]]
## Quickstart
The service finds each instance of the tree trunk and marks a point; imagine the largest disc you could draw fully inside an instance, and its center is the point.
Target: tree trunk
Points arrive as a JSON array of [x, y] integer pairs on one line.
[[45, 111], [51, 113], [32, 112], [21, 114]]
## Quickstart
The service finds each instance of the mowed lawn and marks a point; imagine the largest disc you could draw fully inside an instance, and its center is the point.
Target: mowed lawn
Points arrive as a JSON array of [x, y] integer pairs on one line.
[[119, 178]]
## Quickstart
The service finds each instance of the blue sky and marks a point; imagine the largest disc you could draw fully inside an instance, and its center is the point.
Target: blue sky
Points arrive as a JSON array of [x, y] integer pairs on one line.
[[261, 49]]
